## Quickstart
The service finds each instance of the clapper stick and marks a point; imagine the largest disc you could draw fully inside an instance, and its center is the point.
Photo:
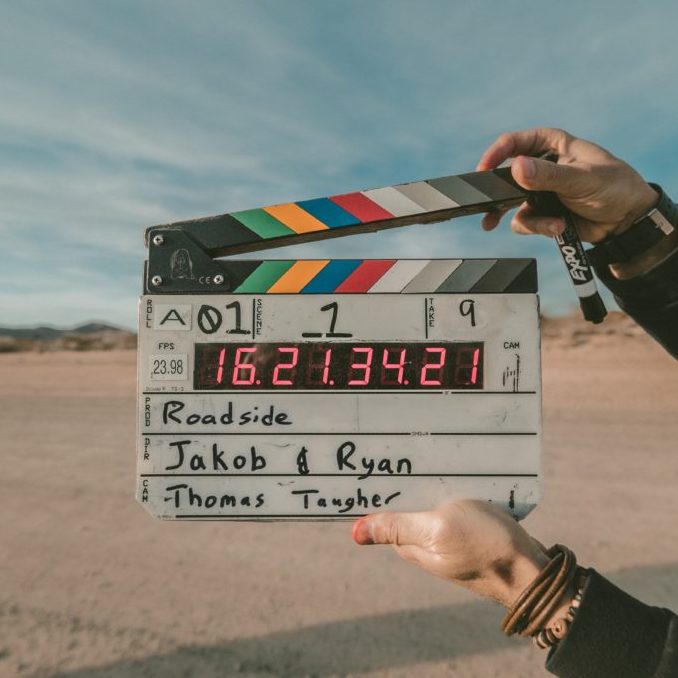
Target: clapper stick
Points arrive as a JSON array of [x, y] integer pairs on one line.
[[201, 241]]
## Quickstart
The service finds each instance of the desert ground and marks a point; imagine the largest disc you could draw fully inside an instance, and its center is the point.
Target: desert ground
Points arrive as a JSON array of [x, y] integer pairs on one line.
[[91, 586]]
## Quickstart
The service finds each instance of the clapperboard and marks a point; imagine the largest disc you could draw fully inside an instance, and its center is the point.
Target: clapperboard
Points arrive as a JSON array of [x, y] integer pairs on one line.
[[324, 389]]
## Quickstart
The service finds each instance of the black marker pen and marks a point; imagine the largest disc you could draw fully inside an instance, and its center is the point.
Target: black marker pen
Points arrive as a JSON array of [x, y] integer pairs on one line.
[[571, 249]]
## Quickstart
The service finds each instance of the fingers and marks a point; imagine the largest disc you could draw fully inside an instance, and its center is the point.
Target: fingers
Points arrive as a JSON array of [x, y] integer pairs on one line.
[[527, 222], [399, 529], [544, 175], [491, 220], [527, 142]]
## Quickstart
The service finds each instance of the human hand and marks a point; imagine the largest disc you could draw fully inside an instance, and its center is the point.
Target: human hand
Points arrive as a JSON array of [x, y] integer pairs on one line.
[[604, 194], [470, 543]]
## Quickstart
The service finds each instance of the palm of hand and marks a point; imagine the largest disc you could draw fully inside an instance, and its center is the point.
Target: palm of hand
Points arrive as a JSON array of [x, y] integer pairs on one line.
[[471, 543]]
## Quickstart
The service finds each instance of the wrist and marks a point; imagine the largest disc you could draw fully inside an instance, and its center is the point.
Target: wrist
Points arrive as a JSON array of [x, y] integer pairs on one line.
[[645, 200], [643, 244], [523, 571]]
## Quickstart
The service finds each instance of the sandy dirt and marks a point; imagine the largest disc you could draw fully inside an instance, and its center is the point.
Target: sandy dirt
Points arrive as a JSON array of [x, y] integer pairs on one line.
[[92, 586]]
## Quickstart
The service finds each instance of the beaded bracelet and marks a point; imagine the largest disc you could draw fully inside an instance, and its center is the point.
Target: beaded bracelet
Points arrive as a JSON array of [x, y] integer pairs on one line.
[[550, 636]]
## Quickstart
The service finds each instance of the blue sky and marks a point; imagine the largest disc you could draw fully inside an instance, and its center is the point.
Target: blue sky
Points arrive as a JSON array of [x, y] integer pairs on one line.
[[116, 115]]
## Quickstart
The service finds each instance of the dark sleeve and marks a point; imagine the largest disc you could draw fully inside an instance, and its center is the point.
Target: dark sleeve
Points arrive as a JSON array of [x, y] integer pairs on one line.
[[614, 635], [651, 299]]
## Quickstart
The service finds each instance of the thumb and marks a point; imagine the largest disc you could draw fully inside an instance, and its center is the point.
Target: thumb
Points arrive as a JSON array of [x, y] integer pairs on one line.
[[544, 175], [392, 528]]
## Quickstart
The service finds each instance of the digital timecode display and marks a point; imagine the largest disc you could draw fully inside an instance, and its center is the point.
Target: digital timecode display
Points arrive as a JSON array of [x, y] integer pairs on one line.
[[347, 366]]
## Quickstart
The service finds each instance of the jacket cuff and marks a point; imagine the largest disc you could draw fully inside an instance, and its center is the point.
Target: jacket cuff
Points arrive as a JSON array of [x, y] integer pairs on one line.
[[612, 634], [650, 299], [654, 288]]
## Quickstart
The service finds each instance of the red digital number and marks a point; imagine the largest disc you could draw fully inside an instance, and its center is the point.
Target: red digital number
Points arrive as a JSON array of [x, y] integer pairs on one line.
[[220, 369], [466, 371], [294, 357], [399, 366], [356, 366], [244, 366], [324, 366], [426, 377]]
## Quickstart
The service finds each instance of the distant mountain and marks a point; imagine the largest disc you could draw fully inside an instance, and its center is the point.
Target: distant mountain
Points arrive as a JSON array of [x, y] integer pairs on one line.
[[86, 337], [93, 328], [49, 333]]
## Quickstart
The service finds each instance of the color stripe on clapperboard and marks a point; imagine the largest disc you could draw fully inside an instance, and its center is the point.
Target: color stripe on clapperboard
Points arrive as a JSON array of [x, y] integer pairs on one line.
[[379, 204], [380, 276], [400, 276]]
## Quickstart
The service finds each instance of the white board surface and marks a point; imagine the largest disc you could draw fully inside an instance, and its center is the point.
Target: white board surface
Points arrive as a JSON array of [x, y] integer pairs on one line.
[[300, 453]]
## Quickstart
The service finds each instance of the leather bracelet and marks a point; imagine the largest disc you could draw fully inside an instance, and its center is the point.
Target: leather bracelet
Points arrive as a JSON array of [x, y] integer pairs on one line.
[[537, 603], [514, 620], [542, 613]]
